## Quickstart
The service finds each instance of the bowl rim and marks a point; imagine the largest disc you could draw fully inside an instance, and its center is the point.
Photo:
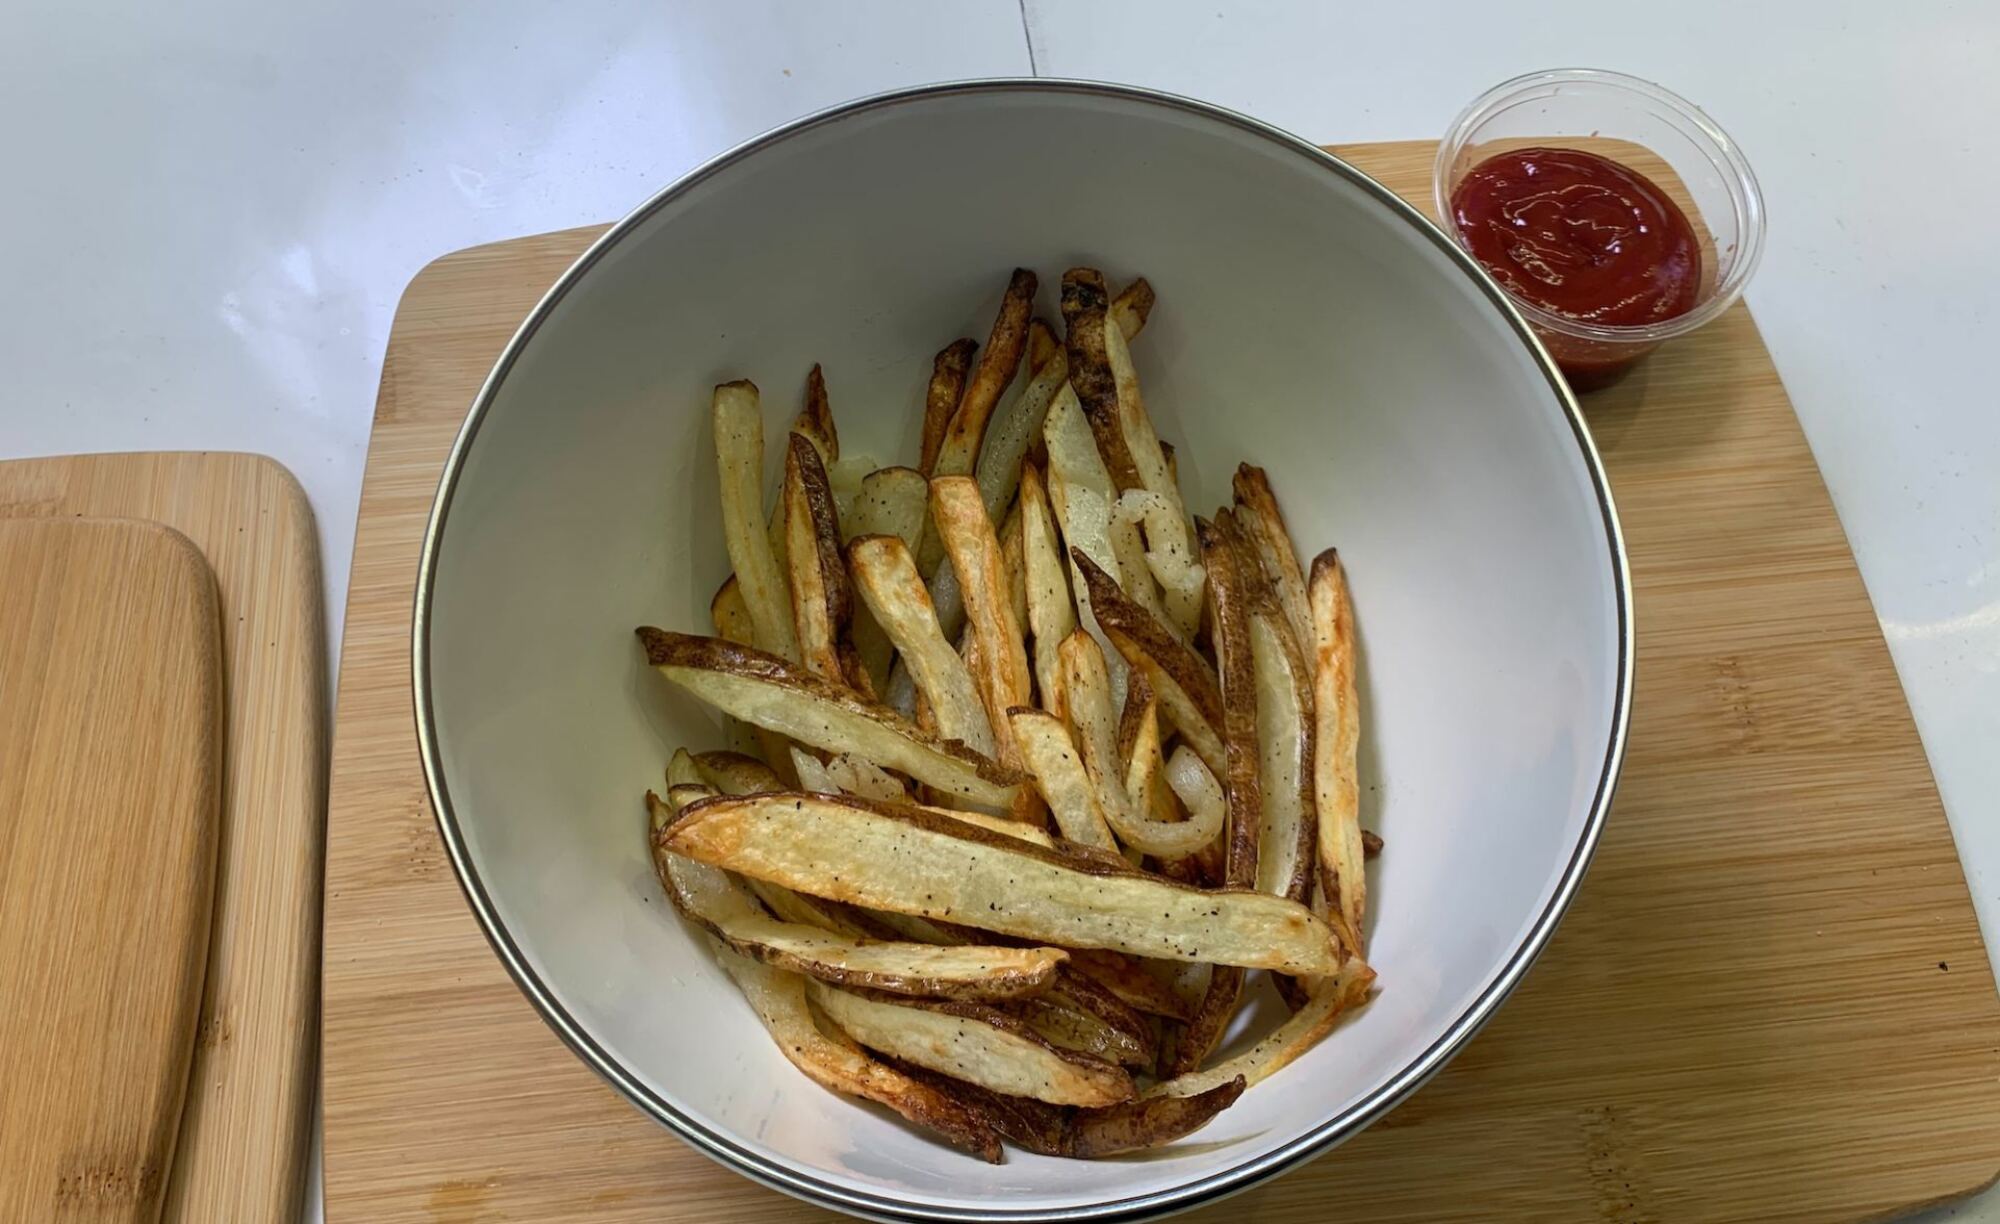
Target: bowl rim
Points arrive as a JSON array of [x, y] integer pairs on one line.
[[806, 1184]]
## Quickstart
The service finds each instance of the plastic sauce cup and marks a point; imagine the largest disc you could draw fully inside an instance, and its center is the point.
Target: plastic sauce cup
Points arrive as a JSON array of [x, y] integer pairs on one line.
[[1648, 129]]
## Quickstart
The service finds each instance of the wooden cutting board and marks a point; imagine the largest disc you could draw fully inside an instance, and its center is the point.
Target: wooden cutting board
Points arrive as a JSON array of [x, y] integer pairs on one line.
[[1770, 1000], [110, 787], [247, 1127]]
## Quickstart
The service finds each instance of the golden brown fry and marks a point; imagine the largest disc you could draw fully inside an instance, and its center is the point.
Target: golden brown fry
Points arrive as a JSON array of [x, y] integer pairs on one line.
[[1072, 1028], [948, 371], [1185, 684], [815, 419], [976, 1044], [1014, 561], [1170, 545], [1085, 304], [1241, 779], [998, 363], [821, 600], [779, 999], [1284, 728], [915, 861], [739, 450], [1015, 431], [1052, 1130], [887, 578], [1002, 660], [1131, 308], [763, 689], [1343, 877], [1199, 1037], [1042, 345], [1264, 527], [1330, 998]]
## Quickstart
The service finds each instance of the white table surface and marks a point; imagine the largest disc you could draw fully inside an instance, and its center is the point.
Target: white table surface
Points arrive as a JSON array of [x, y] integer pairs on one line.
[[214, 206]]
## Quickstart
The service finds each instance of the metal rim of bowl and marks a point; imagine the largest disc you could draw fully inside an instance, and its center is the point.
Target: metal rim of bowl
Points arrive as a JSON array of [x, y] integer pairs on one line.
[[1350, 1121]]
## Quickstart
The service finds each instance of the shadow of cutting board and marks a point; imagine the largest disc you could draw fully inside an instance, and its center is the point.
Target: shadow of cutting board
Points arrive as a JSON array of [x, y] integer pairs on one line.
[[248, 1122], [110, 789], [1769, 1002]]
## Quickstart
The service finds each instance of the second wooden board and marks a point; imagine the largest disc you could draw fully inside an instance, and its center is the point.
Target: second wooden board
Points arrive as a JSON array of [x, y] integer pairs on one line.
[[1770, 1000]]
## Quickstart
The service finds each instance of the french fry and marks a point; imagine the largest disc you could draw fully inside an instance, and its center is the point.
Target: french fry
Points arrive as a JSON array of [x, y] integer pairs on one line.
[[976, 1044], [1042, 345], [714, 901], [1051, 1130], [779, 999], [998, 363], [1264, 526], [1284, 687], [733, 773], [1085, 308], [821, 601], [1189, 695], [732, 623], [1343, 876], [1051, 608], [1199, 1037], [948, 371], [1330, 999], [739, 451], [1002, 671], [1132, 307], [815, 419], [890, 501], [1088, 686], [914, 861], [1049, 754], [887, 579], [1078, 1014], [860, 776], [763, 689], [1167, 554]]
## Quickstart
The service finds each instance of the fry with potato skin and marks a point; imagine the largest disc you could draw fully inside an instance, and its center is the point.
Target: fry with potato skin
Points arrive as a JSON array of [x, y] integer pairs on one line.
[[890, 501], [779, 999], [947, 384], [763, 689], [815, 419], [1052, 1130], [1049, 754], [910, 860], [1343, 876], [1085, 306], [1088, 686], [977, 1044], [1051, 607], [732, 623], [1129, 980], [886, 576], [998, 363], [1264, 527], [1042, 345], [1330, 1000], [821, 601]]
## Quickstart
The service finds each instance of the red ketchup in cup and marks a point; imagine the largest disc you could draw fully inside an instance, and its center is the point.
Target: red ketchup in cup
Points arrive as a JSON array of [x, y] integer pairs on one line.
[[1582, 237]]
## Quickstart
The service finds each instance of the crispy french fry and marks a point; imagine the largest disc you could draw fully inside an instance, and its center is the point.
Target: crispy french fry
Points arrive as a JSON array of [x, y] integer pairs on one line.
[[1330, 999], [887, 579], [763, 689], [1076, 1013], [739, 451], [1242, 781], [815, 419], [1051, 608], [1052, 1130], [948, 371], [1343, 877], [1050, 756], [1085, 307], [1132, 307], [1042, 345], [1199, 1037], [914, 861], [779, 999], [1002, 671], [714, 901], [1189, 695], [1013, 433], [890, 501], [1285, 754], [976, 1044], [821, 601], [998, 363], [1264, 527]]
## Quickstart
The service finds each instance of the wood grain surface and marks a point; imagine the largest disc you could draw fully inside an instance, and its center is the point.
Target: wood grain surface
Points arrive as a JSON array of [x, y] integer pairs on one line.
[[1769, 1002], [110, 790], [247, 1127]]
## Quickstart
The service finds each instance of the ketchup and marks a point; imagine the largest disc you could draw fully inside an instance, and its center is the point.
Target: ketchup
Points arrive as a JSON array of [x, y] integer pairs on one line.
[[1583, 237]]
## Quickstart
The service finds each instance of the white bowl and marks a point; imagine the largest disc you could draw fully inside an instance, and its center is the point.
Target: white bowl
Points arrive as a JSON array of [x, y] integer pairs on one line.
[[1307, 321]]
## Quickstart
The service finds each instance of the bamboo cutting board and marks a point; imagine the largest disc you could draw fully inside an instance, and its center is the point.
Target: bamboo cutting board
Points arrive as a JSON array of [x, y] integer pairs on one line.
[[1770, 1000], [248, 1123], [110, 786]]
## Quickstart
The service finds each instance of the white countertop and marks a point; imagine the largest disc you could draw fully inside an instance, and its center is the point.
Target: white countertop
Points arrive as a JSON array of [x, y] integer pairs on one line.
[[215, 205]]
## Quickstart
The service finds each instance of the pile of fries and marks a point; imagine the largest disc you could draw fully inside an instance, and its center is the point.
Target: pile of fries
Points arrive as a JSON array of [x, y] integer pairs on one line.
[[1031, 769]]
